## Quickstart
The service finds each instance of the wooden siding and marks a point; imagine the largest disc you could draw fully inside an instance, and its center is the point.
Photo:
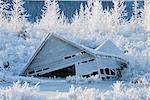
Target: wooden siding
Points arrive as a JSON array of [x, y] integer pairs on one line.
[[85, 67], [52, 56], [107, 63]]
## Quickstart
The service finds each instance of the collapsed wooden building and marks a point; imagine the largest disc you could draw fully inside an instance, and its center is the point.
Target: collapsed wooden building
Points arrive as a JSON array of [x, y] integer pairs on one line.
[[60, 57]]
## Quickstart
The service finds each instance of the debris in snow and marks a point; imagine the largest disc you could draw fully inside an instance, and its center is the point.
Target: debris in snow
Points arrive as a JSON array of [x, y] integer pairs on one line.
[[83, 80]]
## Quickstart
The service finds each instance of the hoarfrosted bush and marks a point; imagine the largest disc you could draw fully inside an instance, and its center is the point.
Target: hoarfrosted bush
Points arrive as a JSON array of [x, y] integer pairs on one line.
[[20, 92], [120, 91]]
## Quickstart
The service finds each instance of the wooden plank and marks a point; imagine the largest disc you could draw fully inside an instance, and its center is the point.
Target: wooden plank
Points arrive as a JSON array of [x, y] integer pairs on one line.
[[56, 60], [86, 68], [50, 58], [59, 53], [57, 66]]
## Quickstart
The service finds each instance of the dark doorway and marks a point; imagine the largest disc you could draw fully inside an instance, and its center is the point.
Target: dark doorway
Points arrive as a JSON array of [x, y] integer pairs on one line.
[[63, 73]]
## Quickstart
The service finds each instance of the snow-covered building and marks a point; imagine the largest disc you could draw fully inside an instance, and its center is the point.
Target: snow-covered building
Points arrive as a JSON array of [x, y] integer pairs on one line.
[[61, 57]]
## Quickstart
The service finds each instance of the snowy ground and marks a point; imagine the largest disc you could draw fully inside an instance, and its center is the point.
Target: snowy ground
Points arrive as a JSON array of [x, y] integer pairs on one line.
[[19, 39], [55, 87], [63, 86]]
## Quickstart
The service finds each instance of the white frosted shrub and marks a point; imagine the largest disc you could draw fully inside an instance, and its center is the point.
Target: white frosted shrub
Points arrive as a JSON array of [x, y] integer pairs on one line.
[[20, 92], [120, 91]]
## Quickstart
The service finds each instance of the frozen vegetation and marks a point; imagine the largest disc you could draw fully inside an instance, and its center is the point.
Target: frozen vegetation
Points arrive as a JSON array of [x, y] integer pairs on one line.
[[90, 26], [120, 91]]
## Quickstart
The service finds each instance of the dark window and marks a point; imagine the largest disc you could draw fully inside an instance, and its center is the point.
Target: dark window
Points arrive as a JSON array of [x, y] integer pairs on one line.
[[112, 72], [63, 73], [83, 52], [125, 65], [102, 71], [107, 71], [108, 77], [91, 60], [31, 72], [103, 78], [38, 70], [67, 57], [73, 55], [45, 68], [119, 73], [94, 73], [121, 68], [84, 62], [113, 69], [86, 76]]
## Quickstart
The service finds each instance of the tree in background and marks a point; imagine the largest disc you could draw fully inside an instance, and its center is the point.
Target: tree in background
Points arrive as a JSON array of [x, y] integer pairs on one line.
[[79, 23], [95, 20], [51, 18], [135, 26], [146, 15], [118, 14], [18, 18], [3, 14]]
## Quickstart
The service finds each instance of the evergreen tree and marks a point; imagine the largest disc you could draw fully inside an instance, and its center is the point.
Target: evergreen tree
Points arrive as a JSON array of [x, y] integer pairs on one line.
[[3, 14], [118, 14], [18, 17], [63, 24], [96, 16], [50, 17], [80, 23], [75, 23], [146, 15], [136, 19]]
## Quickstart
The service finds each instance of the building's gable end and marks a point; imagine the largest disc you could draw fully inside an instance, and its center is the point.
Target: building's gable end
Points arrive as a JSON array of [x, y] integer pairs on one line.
[[55, 54], [34, 55], [110, 48]]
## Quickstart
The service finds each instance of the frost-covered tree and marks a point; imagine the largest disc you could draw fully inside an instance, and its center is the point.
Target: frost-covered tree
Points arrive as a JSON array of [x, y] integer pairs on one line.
[[64, 25], [146, 15], [96, 16], [79, 22], [3, 12], [18, 17], [118, 16], [51, 16], [134, 25]]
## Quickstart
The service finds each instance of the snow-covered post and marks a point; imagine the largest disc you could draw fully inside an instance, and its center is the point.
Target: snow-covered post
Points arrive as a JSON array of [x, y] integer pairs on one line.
[[98, 67]]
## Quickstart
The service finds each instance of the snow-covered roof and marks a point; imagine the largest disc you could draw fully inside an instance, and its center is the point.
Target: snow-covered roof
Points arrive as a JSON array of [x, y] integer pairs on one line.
[[110, 48], [82, 47], [102, 51]]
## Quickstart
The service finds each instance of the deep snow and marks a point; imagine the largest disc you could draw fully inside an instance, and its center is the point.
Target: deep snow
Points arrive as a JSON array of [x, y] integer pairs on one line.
[[19, 42]]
